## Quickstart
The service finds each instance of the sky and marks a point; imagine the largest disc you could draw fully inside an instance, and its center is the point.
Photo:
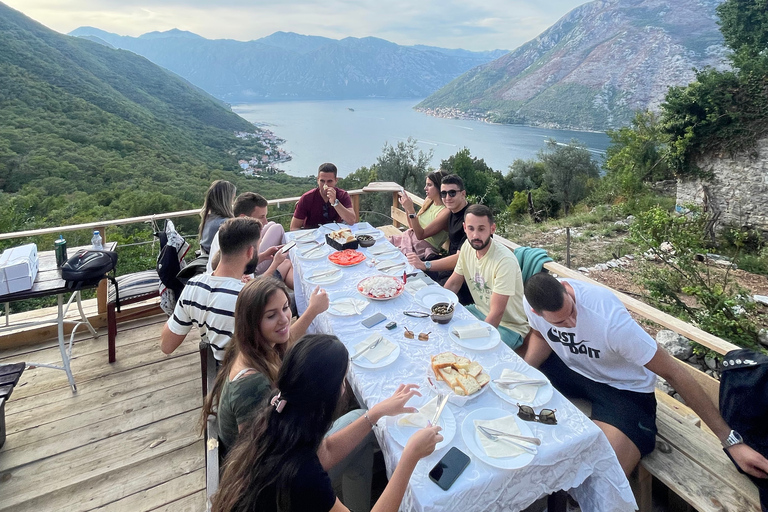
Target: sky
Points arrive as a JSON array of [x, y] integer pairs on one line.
[[469, 24]]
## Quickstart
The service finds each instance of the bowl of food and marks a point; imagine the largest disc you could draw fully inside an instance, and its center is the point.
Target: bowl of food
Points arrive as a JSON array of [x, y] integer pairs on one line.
[[442, 312], [366, 240]]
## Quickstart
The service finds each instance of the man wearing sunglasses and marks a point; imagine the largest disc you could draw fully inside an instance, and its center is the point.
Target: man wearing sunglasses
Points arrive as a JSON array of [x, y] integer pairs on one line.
[[325, 204], [493, 276], [584, 340], [455, 200]]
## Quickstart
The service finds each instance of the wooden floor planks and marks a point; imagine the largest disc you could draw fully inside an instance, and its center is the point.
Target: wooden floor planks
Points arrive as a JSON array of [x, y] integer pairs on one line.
[[128, 440]]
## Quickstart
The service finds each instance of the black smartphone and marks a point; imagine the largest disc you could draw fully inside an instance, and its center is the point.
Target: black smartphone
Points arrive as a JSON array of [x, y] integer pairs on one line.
[[449, 468], [373, 320]]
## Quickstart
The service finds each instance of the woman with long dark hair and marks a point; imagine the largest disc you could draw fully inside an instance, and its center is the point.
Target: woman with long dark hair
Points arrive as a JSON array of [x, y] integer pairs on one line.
[[428, 228], [276, 463], [217, 208]]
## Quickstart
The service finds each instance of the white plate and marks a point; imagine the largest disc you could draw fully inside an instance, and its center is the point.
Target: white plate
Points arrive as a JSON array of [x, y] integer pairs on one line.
[[439, 386], [325, 279], [543, 395], [399, 293], [470, 435], [401, 433], [395, 271], [316, 254], [431, 295], [379, 249], [305, 235], [347, 296], [362, 362], [486, 343]]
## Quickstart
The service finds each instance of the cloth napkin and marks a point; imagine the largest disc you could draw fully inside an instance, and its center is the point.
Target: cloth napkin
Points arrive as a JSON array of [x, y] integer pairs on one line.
[[381, 249], [374, 355], [414, 285], [421, 418], [324, 278], [499, 449], [391, 263], [476, 330], [347, 305], [524, 393]]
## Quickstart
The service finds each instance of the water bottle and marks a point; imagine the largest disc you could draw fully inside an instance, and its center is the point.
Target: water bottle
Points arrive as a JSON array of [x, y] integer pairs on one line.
[[96, 241]]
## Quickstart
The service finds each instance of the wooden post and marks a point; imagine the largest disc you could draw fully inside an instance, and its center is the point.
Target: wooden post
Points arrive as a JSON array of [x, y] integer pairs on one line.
[[101, 291], [568, 247], [395, 205], [356, 207]]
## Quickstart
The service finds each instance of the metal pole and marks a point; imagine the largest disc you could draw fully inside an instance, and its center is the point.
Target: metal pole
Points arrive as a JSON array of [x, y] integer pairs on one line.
[[568, 247]]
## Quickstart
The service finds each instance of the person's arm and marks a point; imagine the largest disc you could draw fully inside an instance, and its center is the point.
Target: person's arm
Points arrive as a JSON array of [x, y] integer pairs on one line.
[[663, 365], [278, 258], [436, 226], [454, 282], [498, 306], [268, 253], [296, 223], [538, 349], [318, 302], [347, 213], [336, 447], [169, 340], [447, 263]]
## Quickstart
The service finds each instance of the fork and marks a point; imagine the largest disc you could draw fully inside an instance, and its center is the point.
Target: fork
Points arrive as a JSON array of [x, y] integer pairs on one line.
[[497, 433], [366, 349], [495, 438]]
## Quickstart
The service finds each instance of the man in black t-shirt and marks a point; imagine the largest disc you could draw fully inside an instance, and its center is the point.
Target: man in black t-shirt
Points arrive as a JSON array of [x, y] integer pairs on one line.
[[455, 199]]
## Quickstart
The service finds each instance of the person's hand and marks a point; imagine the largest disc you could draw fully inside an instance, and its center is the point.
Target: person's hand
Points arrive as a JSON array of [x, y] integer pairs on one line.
[[749, 460], [330, 193], [395, 404], [269, 253], [415, 262], [405, 200], [278, 258], [318, 301], [422, 443], [246, 278]]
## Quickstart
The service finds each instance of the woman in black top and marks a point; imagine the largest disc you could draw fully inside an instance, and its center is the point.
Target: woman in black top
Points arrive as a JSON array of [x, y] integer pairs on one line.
[[275, 465]]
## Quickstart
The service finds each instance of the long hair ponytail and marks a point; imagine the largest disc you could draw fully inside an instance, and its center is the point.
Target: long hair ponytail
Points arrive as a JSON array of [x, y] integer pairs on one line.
[[218, 201]]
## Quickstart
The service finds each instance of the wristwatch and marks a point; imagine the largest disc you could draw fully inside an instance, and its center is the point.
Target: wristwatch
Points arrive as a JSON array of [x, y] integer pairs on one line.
[[428, 265], [335, 203], [733, 438], [411, 215]]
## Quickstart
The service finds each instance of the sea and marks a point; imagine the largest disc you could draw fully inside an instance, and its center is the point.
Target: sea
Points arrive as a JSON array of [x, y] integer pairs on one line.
[[352, 133]]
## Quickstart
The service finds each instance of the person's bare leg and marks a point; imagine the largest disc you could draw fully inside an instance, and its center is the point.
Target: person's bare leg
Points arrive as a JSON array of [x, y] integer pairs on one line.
[[286, 270], [626, 451]]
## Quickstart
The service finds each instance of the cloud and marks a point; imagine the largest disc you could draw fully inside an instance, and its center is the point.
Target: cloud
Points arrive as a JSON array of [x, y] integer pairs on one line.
[[470, 24]]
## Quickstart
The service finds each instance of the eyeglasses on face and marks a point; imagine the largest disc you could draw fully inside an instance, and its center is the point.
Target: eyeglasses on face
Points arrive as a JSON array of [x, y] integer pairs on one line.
[[449, 193], [546, 416]]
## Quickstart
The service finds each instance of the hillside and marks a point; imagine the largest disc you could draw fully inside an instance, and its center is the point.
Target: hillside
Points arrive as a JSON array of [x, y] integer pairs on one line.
[[594, 67], [286, 66], [88, 132]]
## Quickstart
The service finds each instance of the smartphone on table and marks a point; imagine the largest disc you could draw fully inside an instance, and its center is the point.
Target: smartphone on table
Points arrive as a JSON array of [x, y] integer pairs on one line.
[[449, 468], [373, 320]]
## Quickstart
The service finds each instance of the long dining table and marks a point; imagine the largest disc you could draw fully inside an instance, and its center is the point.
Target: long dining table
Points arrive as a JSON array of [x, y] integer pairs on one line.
[[574, 455]]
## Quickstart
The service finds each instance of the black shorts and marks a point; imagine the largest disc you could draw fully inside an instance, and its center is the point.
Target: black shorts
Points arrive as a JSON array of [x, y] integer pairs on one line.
[[631, 412]]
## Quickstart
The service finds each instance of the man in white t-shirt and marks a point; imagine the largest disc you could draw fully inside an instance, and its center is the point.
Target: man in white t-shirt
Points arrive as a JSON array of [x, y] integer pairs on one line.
[[492, 273], [208, 300], [584, 340]]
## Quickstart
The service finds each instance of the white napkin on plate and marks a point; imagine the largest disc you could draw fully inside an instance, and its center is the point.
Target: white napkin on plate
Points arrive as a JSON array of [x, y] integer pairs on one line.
[[524, 393], [476, 330], [348, 306], [374, 355], [501, 448], [326, 277], [414, 285], [421, 418], [381, 249]]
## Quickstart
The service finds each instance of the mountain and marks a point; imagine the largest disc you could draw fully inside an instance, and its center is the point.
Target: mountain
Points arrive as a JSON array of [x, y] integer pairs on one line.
[[88, 132], [286, 66], [594, 67]]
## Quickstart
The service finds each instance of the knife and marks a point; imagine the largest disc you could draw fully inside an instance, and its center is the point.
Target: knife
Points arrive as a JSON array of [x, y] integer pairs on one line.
[[366, 349], [306, 235], [326, 273], [532, 440], [440, 409], [312, 249], [388, 267], [495, 438], [515, 383]]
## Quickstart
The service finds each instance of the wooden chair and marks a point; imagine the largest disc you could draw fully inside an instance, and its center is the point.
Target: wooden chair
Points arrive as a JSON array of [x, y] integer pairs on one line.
[[9, 377], [208, 372], [133, 288]]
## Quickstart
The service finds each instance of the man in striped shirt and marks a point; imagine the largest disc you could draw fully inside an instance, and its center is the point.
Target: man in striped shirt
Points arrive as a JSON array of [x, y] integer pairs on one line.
[[208, 300]]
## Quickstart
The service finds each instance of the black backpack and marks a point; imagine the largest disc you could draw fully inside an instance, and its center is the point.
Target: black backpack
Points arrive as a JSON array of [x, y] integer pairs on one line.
[[87, 268]]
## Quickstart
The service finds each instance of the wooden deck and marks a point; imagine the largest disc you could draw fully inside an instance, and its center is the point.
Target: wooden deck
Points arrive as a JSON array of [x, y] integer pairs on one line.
[[127, 441]]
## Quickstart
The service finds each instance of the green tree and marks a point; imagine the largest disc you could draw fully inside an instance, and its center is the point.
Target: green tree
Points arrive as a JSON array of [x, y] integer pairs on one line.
[[570, 171], [404, 164], [480, 180], [744, 25]]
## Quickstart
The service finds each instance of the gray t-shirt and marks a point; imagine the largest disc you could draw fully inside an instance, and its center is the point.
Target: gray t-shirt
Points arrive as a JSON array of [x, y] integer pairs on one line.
[[211, 227]]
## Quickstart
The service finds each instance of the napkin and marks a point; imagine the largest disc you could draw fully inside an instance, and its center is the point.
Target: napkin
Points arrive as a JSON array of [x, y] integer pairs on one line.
[[391, 264], [374, 355], [381, 249], [524, 393], [414, 285], [324, 278], [422, 417], [348, 306], [476, 330], [501, 448]]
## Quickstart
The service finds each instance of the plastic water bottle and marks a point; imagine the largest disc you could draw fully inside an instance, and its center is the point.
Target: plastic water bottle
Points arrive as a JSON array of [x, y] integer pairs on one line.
[[96, 242]]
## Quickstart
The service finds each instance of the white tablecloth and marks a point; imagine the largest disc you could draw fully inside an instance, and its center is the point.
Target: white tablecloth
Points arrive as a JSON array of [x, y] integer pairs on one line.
[[574, 454]]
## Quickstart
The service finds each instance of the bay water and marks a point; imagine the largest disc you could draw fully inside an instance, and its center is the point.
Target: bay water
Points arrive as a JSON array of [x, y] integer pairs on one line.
[[351, 134]]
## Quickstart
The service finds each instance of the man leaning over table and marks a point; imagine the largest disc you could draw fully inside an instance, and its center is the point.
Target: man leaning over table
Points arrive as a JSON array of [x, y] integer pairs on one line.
[[493, 276], [584, 340], [324, 204], [454, 198], [208, 300]]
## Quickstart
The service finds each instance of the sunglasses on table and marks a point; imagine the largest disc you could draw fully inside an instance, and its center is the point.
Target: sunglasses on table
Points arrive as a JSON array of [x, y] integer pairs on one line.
[[546, 416], [450, 193]]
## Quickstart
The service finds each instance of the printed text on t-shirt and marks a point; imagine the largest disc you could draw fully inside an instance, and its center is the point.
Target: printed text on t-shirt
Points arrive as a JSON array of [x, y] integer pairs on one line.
[[576, 347]]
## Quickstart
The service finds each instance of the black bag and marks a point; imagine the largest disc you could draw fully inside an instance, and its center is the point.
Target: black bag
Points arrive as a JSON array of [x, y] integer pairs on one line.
[[87, 268], [744, 404]]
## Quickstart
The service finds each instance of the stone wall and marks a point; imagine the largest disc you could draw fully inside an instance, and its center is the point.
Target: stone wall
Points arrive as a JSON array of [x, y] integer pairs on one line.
[[739, 189]]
